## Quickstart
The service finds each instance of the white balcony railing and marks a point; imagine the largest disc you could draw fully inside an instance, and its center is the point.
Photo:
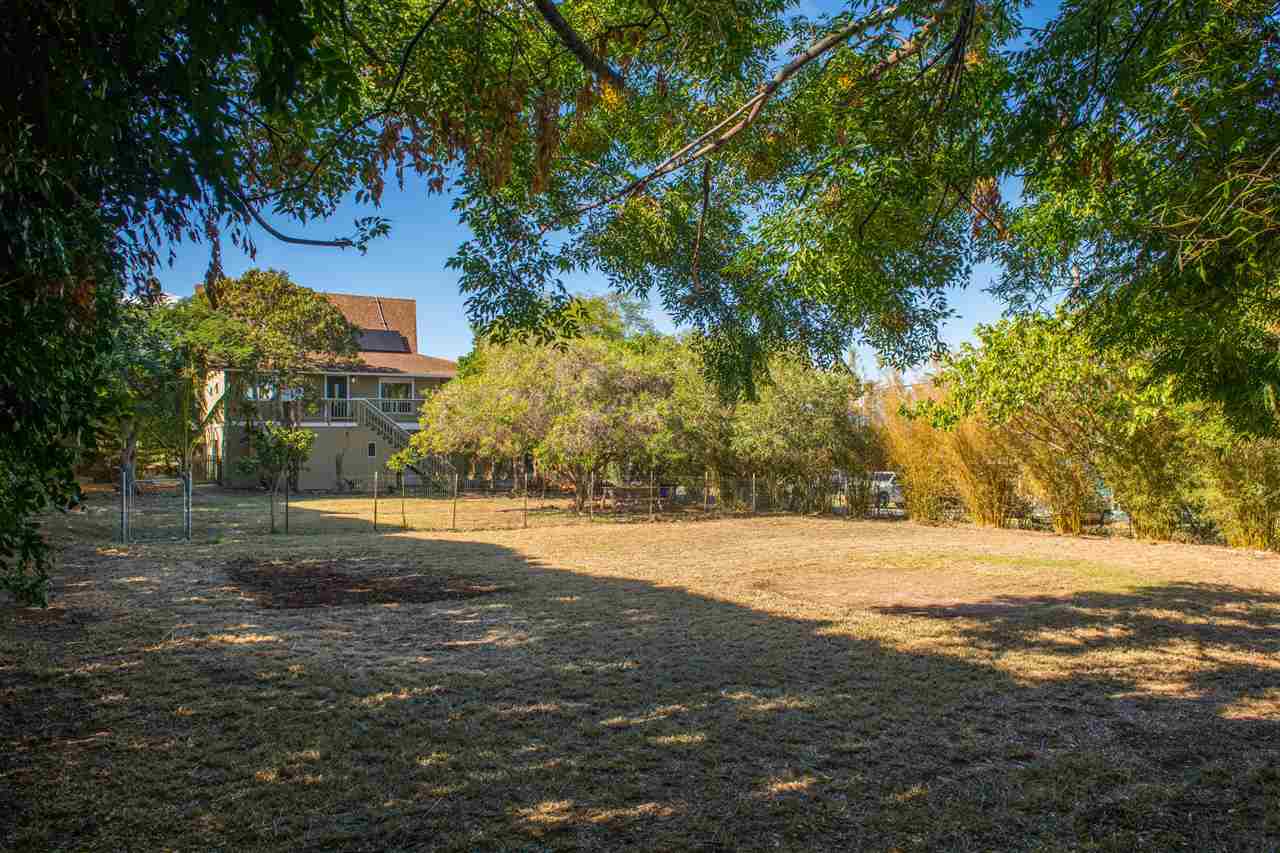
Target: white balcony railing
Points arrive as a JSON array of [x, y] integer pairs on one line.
[[337, 410], [331, 410], [399, 409], [388, 406]]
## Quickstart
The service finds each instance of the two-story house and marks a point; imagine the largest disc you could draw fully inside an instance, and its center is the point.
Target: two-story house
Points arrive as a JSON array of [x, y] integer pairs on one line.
[[362, 411]]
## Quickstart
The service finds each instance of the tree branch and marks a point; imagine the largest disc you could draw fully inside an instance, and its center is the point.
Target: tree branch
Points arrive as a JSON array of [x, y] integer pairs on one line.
[[751, 107], [386, 108], [340, 243], [702, 221], [577, 46], [906, 50], [357, 35]]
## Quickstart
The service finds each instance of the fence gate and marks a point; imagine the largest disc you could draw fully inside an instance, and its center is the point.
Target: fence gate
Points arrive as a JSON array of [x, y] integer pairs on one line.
[[154, 509]]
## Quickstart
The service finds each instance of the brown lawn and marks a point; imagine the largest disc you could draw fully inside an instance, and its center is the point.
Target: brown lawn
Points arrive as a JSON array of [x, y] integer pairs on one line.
[[743, 684]]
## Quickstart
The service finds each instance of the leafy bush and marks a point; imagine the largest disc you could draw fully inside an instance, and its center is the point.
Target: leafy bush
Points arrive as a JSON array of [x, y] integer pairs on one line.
[[983, 471], [916, 450], [1242, 492], [1066, 487]]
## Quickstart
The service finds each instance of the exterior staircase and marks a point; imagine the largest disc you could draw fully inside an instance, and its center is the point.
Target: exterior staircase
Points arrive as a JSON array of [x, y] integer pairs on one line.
[[434, 470]]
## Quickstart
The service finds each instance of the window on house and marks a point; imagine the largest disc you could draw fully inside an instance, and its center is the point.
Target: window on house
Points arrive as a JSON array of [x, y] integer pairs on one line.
[[335, 387], [373, 450], [395, 390], [261, 391]]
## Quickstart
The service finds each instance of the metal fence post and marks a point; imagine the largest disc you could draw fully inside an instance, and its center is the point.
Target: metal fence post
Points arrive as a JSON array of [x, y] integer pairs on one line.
[[706, 492], [286, 500], [124, 504], [753, 493], [375, 501], [651, 518], [453, 525], [404, 519], [525, 520], [591, 498], [187, 507]]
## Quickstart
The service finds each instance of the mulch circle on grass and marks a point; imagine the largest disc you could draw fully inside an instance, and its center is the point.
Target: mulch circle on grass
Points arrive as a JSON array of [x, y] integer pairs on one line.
[[323, 583], [53, 623]]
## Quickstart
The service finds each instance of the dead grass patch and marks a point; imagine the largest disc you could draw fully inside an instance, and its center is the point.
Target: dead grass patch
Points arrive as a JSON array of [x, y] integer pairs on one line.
[[323, 583]]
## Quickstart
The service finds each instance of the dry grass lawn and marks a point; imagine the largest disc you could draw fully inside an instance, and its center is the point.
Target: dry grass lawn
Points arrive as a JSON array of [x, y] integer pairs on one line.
[[743, 684], [219, 513]]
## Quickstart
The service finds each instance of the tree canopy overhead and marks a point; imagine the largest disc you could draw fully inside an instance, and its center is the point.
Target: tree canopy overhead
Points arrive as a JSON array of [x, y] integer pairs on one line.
[[776, 181], [782, 182]]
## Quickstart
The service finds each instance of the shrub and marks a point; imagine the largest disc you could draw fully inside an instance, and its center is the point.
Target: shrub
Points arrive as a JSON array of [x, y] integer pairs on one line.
[[1149, 468], [916, 450], [1242, 492], [1067, 487], [982, 471]]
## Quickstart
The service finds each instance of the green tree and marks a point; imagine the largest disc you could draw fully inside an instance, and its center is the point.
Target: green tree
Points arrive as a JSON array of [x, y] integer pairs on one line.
[[123, 127], [1148, 139], [1048, 386], [607, 411], [277, 452], [271, 332], [498, 411], [156, 380], [802, 428], [794, 183], [697, 429], [55, 368]]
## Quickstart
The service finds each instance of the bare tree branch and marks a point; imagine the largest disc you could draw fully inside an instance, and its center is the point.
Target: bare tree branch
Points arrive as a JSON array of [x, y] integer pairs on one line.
[[570, 38], [340, 243]]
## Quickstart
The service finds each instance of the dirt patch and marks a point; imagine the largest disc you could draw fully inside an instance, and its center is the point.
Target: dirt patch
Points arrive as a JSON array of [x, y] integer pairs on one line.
[[279, 584], [53, 624]]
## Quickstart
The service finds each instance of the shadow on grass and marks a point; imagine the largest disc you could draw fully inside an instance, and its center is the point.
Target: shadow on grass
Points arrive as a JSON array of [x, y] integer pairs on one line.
[[1212, 644], [570, 711]]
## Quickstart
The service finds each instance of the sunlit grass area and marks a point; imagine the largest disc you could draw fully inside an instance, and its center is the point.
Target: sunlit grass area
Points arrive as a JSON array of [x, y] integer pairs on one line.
[[227, 514], [222, 514], [740, 684]]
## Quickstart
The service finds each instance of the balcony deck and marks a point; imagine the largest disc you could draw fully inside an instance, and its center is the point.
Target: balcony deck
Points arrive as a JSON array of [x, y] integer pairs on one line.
[[403, 411]]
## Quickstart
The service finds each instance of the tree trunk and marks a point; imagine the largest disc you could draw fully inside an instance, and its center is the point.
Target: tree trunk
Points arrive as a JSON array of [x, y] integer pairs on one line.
[[129, 455], [579, 489], [275, 489]]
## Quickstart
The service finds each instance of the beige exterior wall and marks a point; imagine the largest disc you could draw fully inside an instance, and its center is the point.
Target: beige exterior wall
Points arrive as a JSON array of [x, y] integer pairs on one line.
[[232, 453], [364, 386], [348, 442], [347, 447], [351, 446]]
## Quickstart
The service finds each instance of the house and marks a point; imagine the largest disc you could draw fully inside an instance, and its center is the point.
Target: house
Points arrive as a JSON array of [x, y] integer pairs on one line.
[[362, 411]]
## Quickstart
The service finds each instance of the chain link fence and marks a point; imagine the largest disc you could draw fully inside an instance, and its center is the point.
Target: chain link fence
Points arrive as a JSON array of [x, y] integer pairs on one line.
[[154, 509]]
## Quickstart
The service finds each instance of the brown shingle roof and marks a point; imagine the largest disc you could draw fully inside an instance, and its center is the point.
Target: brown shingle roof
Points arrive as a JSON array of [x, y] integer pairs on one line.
[[380, 312], [402, 363]]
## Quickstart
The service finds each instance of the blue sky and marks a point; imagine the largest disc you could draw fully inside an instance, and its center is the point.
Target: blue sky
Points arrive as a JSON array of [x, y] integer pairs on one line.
[[411, 263]]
